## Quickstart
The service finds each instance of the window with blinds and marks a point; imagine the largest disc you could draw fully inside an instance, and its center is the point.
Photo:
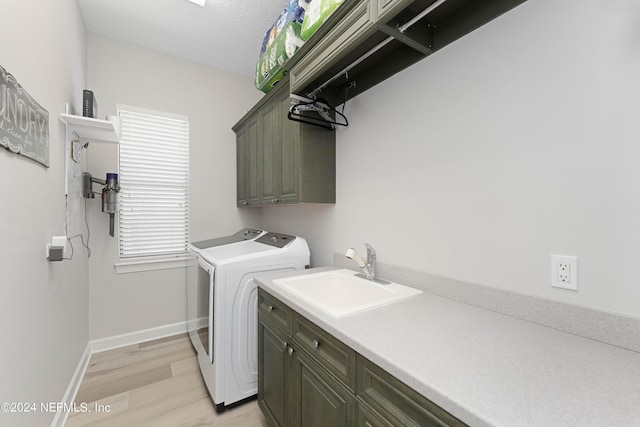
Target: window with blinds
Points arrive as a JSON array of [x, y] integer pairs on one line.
[[154, 183]]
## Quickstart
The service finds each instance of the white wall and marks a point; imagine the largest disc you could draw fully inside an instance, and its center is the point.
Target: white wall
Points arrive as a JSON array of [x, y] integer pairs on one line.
[[214, 100], [518, 141], [43, 305]]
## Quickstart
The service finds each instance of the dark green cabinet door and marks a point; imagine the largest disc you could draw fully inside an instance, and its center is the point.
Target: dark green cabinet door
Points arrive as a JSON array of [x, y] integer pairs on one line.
[[296, 389], [241, 144], [282, 161], [272, 374], [320, 399], [252, 164], [288, 164], [396, 403], [269, 148], [366, 417], [247, 164]]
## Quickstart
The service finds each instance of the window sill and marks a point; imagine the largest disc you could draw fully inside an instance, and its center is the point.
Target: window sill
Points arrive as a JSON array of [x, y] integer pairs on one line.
[[137, 265]]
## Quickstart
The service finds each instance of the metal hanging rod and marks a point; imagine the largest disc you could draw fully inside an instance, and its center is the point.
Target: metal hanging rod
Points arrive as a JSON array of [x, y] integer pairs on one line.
[[421, 15], [377, 47], [352, 65]]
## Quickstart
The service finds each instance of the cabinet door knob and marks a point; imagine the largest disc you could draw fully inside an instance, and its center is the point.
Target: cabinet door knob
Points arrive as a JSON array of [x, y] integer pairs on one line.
[[315, 343], [284, 344], [245, 203], [270, 308], [290, 351]]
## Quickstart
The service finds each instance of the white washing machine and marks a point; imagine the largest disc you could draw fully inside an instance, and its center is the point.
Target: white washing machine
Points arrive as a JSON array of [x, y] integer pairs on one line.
[[228, 346], [198, 308]]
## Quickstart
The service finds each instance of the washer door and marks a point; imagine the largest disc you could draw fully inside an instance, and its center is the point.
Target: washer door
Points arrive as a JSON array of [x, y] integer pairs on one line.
[[244, 336], [241, 349], [204, 306], [192, 291]]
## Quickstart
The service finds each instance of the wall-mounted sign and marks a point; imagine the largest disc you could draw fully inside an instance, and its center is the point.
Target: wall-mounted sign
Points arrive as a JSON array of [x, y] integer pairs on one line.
[[24, 124]]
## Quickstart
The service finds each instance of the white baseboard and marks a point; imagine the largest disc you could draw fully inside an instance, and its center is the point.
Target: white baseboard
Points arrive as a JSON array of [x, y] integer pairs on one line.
[[136, 337], [72, 390], [109, 343]]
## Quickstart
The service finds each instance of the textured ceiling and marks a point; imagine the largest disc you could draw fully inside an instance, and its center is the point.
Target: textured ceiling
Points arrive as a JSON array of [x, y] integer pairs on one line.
[[225, 34]]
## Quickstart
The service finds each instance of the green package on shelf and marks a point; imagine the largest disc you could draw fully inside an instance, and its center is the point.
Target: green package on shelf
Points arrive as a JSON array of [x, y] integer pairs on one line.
[[270, 66], [317, 12]]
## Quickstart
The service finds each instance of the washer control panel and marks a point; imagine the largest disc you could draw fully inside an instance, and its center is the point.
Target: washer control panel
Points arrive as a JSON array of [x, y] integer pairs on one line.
[[278, 240], [238, 236], [249, 233]]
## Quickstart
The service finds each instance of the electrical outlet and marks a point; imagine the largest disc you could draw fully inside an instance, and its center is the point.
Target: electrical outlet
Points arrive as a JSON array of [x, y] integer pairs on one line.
[[564, 272]]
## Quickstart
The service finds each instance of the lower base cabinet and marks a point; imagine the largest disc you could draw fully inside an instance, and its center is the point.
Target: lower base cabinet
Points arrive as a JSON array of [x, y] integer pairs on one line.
[[321, 400], [308, 378], [294, 389], [367, 417], [386, 401], [272, 373]]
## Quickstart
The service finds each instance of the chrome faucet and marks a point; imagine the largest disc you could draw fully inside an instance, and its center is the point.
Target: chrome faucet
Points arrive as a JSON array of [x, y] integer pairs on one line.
[[369, 268]]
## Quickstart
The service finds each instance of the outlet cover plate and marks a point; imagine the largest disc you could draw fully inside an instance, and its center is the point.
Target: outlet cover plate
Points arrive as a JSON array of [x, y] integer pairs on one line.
[[564, 272]]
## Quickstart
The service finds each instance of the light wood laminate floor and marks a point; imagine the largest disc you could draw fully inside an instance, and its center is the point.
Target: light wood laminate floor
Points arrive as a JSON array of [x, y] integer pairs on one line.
[[157, 383]]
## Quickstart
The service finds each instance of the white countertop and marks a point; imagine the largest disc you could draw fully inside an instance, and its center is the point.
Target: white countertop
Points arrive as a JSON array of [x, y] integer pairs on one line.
[[486, 368]]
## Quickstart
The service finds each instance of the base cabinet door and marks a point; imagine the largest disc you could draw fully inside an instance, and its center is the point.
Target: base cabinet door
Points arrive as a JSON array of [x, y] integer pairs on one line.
[[320, 399], [367, 417], [394, 403], [272, 374]]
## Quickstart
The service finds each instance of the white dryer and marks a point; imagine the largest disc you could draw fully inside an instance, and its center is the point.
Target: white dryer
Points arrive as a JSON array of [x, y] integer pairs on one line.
[[228, 347], [197, 308]]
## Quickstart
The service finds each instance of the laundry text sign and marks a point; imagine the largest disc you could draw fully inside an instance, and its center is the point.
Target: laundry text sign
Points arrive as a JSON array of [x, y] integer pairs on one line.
[[24, 124]]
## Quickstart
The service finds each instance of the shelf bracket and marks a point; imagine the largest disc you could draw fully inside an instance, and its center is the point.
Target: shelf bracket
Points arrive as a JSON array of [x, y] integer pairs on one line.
[[393, 35]]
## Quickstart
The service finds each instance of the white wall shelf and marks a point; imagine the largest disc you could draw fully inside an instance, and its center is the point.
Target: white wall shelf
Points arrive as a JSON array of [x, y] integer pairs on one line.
[[93, 130]]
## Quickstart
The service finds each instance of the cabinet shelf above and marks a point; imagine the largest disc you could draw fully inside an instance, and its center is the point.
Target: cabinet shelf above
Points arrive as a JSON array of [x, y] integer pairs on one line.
[[93, 130], [367, 41]]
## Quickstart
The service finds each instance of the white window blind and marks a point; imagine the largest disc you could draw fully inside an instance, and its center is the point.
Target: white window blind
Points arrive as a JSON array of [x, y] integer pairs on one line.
[[154, 183]]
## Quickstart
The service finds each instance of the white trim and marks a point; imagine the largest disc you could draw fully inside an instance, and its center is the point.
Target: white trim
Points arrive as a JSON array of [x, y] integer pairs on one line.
[[60, 418], [149, 112], [147, 264], [136, 337], [109, 343]]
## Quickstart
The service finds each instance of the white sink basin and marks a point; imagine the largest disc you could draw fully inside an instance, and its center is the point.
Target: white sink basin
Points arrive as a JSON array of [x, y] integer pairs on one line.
[[341, 293]]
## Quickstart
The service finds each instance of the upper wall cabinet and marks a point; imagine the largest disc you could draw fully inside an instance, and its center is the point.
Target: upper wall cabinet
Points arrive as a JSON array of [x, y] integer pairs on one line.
[[361, 44], [280, 161], [366, 41]]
